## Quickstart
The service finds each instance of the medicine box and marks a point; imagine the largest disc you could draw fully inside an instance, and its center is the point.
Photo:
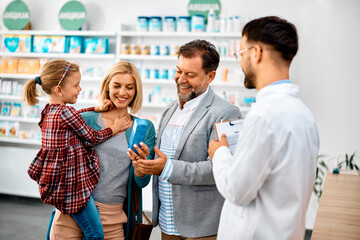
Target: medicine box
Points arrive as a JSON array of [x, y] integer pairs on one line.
[[96, 45], [138, 133], [28, 66], [16, 43], [76, 44], [8, 65], [49, 44]]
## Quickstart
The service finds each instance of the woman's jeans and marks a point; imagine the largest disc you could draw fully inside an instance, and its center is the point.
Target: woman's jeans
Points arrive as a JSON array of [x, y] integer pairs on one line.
[[88, 220]]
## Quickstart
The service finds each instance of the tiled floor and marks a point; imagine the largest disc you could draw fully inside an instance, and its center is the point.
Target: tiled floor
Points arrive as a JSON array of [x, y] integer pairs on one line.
[[28, 218]]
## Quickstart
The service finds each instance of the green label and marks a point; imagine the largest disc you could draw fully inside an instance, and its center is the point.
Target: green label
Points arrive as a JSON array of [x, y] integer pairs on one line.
[[72, 15], [16, 15], [202, 7]]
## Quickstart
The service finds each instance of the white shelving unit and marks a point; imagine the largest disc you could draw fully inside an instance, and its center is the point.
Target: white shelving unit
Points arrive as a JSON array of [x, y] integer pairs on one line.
[[168, 87], [158, 61]]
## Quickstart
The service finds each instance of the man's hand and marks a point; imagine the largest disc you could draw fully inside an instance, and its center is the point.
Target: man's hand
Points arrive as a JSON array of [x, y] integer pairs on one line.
[[215, 144], [153, 167]]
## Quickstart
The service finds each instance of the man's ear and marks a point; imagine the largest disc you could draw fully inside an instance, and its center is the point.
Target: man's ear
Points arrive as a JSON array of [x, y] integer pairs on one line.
[[258, 53], [210, 77]]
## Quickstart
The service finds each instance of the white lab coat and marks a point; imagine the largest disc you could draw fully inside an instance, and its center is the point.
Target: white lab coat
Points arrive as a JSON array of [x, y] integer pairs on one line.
[[268, 181]]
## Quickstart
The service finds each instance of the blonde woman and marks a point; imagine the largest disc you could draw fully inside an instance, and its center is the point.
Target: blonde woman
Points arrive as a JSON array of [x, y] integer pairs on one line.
[[114, 192], [66, 170]]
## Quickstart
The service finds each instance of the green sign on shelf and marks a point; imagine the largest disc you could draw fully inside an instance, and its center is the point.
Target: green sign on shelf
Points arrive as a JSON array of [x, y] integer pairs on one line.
[[16, 15], [202, 7], [72, 15]]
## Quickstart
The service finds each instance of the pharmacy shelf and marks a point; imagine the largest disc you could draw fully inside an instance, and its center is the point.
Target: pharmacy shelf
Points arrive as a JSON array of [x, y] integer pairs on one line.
[[20, 141], [147, 57], [63, 33], [16, 76], [163, 58], [20, 98], [30, 76], [179, 34], [19, 119], [109, 56]]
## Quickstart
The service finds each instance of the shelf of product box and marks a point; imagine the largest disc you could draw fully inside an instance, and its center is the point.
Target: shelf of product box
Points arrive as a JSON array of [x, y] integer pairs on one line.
[[19, 98], [62, 33], [17, 76], [154, 105], [20, 119], [146, 57], [180, 34], [20, 141], [30, 76], [110, 56], [164, 58], [170, 82]]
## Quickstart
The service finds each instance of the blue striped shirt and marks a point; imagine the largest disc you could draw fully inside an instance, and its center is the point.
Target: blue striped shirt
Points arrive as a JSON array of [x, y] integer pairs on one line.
[[169, 141]]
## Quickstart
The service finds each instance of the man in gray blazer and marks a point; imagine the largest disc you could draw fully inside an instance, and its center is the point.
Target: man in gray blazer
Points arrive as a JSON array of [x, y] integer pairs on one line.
[[186, 203]]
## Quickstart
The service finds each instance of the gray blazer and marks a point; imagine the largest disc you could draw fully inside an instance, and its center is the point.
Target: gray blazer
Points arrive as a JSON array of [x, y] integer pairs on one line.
[[197, 203]]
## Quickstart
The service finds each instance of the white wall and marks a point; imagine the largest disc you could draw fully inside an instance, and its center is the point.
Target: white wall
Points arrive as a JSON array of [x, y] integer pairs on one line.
[[326, 67]]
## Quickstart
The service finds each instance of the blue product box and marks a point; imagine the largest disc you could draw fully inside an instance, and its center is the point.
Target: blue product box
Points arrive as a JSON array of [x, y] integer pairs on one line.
[[49, 44], [142, 24], [138, 133], [96, 45], [76, 44], [184, 24], [169, 24], [155, 24], [16, 43]]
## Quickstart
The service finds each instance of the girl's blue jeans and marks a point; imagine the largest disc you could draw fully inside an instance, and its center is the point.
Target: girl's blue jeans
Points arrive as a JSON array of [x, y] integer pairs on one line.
[[88, 220]]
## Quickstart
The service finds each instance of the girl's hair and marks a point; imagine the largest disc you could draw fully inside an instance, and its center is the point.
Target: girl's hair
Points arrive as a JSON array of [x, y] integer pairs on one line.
[[123, 67], [49, 78]]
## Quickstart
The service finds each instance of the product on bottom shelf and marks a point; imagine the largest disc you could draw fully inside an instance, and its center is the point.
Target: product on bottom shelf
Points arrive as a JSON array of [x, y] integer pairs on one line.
[[9, 129], [16, 43], [13, 129], [3, 128]]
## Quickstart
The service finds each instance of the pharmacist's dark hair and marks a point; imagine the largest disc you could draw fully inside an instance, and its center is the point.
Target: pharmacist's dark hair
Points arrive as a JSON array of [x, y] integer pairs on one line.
[[202, 48], [273, 31], [50, 75]]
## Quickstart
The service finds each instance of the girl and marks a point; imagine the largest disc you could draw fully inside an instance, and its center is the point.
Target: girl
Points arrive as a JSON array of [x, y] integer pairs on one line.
[[65, 168], [114, 195]]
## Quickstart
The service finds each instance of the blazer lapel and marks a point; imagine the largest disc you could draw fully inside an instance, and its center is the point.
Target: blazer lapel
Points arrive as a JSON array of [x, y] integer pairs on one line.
[[164, 123], [195, 118]]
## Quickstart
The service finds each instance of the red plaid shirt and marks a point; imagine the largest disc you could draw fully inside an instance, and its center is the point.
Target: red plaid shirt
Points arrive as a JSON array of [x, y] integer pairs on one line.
[[66, 169]]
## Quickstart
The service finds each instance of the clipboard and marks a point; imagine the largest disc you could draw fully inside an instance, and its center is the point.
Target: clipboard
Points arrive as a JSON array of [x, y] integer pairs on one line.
[[231, 128]]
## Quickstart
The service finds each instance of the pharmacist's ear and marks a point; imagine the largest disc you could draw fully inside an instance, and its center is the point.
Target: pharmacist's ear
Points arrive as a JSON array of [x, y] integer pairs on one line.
[[58, 91], [210, 77]]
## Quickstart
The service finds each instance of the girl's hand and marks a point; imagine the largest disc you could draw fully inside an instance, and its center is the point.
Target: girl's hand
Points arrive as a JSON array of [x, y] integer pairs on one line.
[[106, 106], [120, 124]]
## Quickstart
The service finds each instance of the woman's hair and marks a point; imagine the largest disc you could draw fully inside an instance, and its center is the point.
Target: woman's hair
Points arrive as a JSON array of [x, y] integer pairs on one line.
[[50, 75], [123, 67]]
